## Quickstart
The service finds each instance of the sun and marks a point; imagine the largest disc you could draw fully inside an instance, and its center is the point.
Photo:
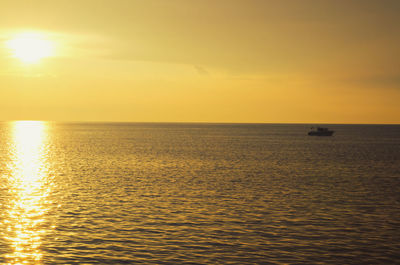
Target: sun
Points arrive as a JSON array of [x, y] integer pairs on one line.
[[30, 47]]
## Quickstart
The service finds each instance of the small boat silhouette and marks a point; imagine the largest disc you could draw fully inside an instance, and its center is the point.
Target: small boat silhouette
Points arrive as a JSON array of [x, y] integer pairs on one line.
[[320, 132]]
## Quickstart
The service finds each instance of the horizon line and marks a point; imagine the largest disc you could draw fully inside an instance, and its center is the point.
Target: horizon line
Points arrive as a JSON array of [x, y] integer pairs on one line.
[[202, 122]]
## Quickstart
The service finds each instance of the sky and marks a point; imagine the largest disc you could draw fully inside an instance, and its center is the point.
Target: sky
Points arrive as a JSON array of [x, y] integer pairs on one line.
[[245, 61]]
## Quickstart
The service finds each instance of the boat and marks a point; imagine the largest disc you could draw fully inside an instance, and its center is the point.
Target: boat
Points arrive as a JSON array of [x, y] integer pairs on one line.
[[320, 132]]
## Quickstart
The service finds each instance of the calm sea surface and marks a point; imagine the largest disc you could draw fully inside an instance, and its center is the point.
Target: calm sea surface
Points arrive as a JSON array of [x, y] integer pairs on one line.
[[198, 194]]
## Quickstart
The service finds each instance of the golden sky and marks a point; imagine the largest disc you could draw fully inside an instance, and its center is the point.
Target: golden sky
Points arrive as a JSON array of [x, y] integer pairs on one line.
[[282, 61]]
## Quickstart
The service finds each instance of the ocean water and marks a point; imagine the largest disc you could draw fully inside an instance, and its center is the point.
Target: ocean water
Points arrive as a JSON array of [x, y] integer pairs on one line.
[[132, 193]]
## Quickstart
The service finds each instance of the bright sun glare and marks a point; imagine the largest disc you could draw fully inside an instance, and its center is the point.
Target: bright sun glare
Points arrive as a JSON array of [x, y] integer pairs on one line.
[[30, 47]]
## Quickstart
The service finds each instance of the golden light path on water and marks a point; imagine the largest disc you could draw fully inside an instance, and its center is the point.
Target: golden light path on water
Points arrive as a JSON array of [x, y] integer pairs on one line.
[[28, 192]]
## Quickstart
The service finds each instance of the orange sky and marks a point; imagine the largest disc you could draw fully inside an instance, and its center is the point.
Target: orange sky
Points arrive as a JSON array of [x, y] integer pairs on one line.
[[277, 61]]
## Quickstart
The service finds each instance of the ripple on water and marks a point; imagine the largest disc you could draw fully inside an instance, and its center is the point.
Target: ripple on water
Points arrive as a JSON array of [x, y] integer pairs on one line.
[[200, 194]]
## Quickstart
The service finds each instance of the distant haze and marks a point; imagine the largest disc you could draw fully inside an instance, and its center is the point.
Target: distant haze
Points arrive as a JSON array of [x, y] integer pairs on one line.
[[277, 61]]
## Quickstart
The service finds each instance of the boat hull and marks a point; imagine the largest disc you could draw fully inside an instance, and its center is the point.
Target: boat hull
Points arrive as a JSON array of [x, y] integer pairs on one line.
[[325, 133]]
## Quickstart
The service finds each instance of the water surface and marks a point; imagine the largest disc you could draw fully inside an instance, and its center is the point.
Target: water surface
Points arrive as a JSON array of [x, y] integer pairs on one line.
[[134, 193]]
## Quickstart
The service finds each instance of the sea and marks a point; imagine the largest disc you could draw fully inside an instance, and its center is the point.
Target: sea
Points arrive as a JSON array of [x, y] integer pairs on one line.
[[198, 193]]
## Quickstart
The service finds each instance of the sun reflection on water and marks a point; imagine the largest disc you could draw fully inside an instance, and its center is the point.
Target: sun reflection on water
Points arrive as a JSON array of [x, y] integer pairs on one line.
[[28, 192]]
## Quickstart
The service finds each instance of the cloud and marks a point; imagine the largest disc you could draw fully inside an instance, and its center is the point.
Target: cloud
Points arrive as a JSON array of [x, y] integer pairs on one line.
[[369, 80], [201, 70]]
